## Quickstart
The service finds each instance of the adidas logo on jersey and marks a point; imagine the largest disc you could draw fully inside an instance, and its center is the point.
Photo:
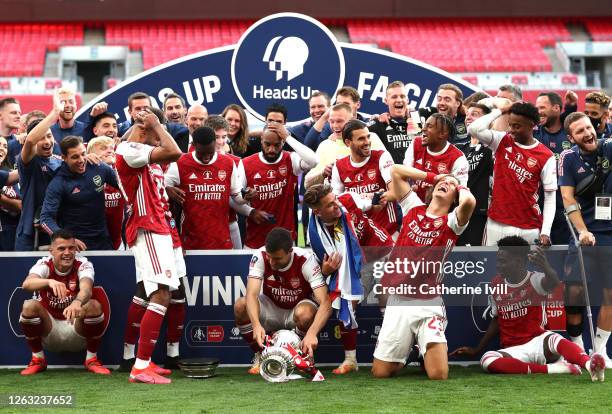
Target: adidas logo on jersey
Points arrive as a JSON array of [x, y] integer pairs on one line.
[[419, 161], [76, 190], [509, 149], [271, 277], [347, 180], [257, 175], [580, 170], [193, 176]]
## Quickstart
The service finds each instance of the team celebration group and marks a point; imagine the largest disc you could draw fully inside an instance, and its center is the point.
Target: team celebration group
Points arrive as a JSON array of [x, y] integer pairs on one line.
[[405, 184]]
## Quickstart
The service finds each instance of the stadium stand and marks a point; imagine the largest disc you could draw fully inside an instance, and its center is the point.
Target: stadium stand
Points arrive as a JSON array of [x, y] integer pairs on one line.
[[484, 47], [599, 29], [24, 45], [178, 38]]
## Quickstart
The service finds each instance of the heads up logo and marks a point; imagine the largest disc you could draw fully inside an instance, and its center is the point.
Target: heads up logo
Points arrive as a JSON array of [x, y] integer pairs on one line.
[[284, 58]]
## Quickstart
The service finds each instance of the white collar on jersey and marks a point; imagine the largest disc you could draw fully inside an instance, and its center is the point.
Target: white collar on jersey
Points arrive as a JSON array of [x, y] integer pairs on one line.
[[442, 151], [522, 282], [262, 159], [212, 161], [284, 269], [359, 164], [532, 146]]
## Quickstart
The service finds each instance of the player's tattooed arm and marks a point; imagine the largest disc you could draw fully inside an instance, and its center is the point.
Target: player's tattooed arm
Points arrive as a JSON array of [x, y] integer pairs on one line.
[[469, 351], [76, 308]]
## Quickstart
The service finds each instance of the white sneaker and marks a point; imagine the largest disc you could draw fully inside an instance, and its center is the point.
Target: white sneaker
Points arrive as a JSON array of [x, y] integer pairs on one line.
[[597, 367], [608, 362], [564, 367]]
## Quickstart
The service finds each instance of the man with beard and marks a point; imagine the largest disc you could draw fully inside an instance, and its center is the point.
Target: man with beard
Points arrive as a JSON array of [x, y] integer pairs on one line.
[[322, 129], [333, 148], [596, 108], [114, 201], [393, 131], [551, 133], [67, 124], [318, 104], [174, 108], [523, 167], [588, 158], [273, 173], [480, 160], [433, 153], [37, 166], [74, 199], [449, 102]]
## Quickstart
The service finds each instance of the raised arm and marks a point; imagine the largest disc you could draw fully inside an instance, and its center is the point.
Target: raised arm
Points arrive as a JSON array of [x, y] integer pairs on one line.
[[28, 151], [400, 174], [168, 150]]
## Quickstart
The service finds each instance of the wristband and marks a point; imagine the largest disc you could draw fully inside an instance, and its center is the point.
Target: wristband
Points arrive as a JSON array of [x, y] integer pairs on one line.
[[431, 178], [571, 208]]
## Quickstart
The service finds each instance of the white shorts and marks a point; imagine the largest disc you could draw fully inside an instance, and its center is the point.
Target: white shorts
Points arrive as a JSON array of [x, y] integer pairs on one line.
[[63, 337], [155, 260], [273, 318], [406, 322], [495, 231], [530, 352]]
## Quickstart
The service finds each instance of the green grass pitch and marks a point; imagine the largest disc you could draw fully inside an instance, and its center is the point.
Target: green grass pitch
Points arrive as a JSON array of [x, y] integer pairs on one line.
[[468, 390]]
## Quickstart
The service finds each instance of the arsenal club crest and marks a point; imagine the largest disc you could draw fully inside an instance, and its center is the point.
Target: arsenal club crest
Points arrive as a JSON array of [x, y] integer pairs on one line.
[[221, 174], [531, 162], [438, 222], [442, 168], [97, 180], [282, 170], [72, 285], [168, 274], [295, 283], [372, 174]]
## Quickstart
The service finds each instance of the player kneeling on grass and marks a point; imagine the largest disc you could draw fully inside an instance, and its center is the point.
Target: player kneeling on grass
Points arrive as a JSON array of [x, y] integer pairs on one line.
[[520, 316], [285, 290], [428, 233], [64, 318]]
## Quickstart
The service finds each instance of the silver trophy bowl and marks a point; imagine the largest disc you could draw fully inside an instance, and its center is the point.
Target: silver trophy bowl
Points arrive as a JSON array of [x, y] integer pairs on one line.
[[276, 363], [198, 367]]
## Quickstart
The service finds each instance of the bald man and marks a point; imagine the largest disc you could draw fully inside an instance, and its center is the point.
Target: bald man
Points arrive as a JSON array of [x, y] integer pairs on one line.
[[196, 116]]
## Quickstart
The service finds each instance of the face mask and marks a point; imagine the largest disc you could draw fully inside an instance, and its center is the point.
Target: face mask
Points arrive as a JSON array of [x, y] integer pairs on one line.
[[595, 122]]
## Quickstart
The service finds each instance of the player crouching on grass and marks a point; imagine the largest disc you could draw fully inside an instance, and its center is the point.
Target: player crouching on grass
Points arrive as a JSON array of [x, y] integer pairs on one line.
[[428, 233], [519, 313], [283, 281], [65, 317]]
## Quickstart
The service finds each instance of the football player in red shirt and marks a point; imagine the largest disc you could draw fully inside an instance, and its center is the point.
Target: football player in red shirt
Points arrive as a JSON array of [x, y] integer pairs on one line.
[[65, 318], [519, 316], [285, 290]]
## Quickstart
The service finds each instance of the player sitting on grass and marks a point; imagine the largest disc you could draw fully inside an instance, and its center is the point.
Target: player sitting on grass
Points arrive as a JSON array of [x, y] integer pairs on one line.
[[519, 312], [292, 281], [64, 318]]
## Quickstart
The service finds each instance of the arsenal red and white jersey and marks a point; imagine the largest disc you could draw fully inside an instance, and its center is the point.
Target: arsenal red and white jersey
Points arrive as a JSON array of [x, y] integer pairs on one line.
[[208, 188], [144, 190], [369, 176], [45, 268], [288, 286], [231, 213], [518, 174], [450, 160], [114, 204], [276, 184], [367, 231], [520, 308], [425, 240]]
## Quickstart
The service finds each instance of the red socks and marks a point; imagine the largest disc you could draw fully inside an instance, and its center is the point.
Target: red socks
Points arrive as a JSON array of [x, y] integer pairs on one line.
[[32, 329], [571, 352], [349, 337], [508, 365], [246, 330], [135, 313], [150, 325], [93, 328], [176, 318]]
